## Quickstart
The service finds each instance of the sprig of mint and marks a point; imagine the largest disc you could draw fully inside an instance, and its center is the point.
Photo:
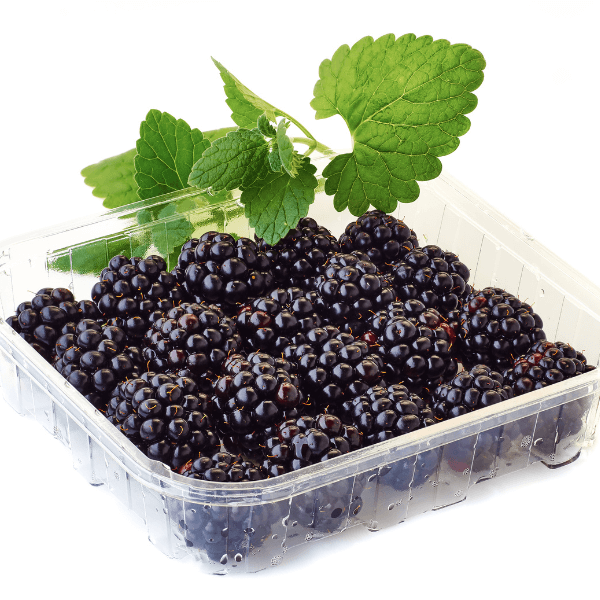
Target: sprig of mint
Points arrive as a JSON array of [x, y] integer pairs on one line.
[[403, 99]]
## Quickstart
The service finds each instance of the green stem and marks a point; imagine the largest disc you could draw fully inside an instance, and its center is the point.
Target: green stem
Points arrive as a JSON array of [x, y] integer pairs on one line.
[[215, 134], [298, 125], [313, 145]]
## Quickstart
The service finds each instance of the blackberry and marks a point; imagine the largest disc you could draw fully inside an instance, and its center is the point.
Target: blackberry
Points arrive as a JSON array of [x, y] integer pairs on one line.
[[352, 289], [298, 257], [383, 413], [436, 278], [496, 328], [130, 290], [416, 348], [468, 391], [251, 400], [382, 237], [220, 270], [275, 322], [546, 363], [195, 338], [168, 418], [223, 466]]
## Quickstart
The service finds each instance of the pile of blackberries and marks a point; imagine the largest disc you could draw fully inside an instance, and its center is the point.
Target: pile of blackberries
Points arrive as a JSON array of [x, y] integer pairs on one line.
[[247, 361]]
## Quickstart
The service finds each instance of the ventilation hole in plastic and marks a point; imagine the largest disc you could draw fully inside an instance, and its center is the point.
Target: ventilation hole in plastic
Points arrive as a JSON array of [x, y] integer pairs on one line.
[[223, 560], [336, 512], [249, 530], [294, 523], [526, 441], [238, 557], [225, 532], [309, 536], [391, 506]]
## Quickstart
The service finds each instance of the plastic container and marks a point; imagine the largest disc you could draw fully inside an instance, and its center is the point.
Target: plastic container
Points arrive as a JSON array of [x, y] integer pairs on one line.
[[247, 527]]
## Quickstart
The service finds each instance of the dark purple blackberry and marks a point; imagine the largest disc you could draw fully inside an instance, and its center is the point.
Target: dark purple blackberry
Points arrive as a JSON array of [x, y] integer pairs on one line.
[[546, 363], [382, 237], [251, 400], [297, 258], [467, 391], [436, 278], [223, 466], [496, 328], [95, 358], [416, 348], [41, 321], [130, 290], [352, 289], [279, 320], [220, 270], [195, 338], [307, 440], [168, 418], [382, 413]]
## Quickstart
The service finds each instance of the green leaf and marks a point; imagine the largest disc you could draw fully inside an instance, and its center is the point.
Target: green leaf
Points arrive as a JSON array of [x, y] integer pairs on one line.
[[274, 159], [265, 127], [112, 179], [236, 160], [246, 107], [276, 203], [404, 101], [286, 149], [166, 151]]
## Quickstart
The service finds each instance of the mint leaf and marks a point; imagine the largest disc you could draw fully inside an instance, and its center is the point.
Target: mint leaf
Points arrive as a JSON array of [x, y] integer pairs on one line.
[[246, 107], [404, 101], [274, 159], [113, 179], [236, 160], [286, 149], [265, 127], [166, 152], [275, 204]]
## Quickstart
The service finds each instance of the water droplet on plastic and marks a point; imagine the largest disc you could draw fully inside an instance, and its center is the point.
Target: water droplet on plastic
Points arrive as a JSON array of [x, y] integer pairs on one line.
[[274, 536], [238, 557]]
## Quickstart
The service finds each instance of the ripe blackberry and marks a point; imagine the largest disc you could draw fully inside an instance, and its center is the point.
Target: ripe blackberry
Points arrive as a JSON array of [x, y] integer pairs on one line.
[[546, 363], [383, 413], [130, 290], [468, 391], [496, 328], [352, 290], [220, 270], [251, 400], [297, 258], [416, 348], [275, 322], [223, 466], [95, 358], [166, 417], [42, 320], [382, 237], [307, 440], [195, 338], [436, 278]]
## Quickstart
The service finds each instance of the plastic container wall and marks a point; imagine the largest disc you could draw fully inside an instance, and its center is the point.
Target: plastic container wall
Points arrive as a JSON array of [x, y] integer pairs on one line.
[[252, 526]]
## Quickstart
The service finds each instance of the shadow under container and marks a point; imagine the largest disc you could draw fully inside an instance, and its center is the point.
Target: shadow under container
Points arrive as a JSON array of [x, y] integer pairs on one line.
[[247, 527]]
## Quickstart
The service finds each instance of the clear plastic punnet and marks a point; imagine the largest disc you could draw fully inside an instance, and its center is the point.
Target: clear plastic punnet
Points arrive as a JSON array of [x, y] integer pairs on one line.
[[250, 526]]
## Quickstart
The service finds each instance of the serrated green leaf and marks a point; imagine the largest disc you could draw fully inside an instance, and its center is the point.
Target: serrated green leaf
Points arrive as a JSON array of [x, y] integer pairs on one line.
[[404, 101], [113, 179], [166, 151], [276, 203], [246, 107], [236, 160], [286, 148], [274, 159], [265, 126]]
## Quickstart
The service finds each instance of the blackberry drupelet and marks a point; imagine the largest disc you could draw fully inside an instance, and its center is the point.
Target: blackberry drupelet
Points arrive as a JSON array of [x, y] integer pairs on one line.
[[546, 363], [220, 270], [298, 257], [467, 391], [496, 328], [382, 237]]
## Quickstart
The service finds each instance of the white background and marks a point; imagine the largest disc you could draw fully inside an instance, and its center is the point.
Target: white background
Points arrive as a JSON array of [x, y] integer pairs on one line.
[[79, 77]]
